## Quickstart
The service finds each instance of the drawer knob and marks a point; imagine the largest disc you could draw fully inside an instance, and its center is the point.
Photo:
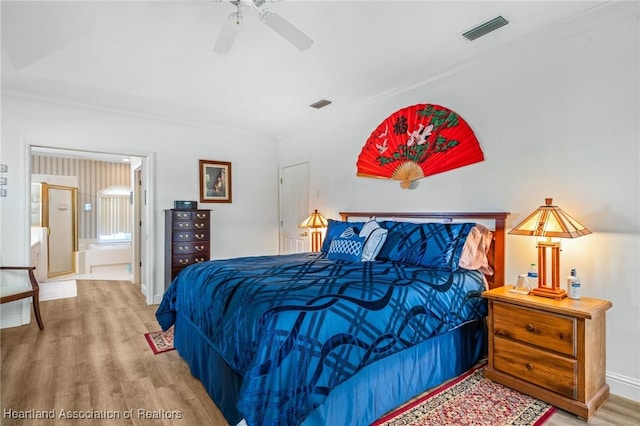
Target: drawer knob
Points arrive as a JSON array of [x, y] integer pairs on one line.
[[199, 225], [529, 366], [184, 261], [531, 328], [562, 336]]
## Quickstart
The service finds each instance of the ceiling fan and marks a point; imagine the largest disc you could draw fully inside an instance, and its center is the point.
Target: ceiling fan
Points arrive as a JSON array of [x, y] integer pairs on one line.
[[274, 21]]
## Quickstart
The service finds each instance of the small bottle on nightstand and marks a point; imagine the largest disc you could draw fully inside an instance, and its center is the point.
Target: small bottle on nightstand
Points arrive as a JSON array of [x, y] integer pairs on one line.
[[573, 285], [532, 276]]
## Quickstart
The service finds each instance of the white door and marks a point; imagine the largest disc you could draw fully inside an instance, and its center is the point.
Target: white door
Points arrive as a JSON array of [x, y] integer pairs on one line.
[[294, 208]]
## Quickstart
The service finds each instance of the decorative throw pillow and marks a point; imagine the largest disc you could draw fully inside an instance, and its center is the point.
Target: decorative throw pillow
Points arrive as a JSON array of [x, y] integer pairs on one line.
[[432, 245], [334, 229], [476, 247], [347, 246], [375, 237]]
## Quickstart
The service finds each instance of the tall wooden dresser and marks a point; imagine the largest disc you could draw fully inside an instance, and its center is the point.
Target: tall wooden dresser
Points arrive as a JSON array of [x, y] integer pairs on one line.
[[187, 240]]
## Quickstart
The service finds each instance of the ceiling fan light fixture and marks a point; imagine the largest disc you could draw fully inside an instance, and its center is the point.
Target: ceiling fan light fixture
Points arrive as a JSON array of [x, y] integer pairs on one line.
[[228, 33], [281, 26]]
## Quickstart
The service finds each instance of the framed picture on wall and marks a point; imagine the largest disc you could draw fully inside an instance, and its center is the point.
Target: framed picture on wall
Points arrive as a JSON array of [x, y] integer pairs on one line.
[[215, 181]]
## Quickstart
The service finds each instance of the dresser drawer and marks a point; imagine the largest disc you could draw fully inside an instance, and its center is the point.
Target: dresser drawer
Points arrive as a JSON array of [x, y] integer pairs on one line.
[[180, 225], [543, 329], [181, 214], [183, 261], [189, 214], [191, 248], [186, 236], [545, 369]]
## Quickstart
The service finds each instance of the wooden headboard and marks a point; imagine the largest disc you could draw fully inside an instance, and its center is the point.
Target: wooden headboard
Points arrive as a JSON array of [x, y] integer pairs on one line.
[[496, 253]]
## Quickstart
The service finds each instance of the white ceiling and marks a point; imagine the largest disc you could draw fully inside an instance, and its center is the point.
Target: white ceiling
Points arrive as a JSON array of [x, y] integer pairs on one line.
[[155, 58]]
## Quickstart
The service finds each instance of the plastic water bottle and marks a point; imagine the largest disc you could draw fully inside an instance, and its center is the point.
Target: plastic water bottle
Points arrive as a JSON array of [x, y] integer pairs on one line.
[[573, 285], [532, 276]]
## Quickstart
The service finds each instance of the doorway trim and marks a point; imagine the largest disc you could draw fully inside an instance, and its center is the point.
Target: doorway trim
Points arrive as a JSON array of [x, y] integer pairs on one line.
[[148, 200]]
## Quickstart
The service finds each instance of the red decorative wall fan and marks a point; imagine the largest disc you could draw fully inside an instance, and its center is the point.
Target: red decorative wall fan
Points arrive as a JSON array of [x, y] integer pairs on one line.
[[418, 141]]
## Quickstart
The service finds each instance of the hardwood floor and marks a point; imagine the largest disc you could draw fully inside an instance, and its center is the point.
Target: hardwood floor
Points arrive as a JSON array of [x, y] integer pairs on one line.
[[92, 357], [617, 411]]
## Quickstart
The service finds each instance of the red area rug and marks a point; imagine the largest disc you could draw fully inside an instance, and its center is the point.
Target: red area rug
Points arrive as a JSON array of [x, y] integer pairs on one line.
[[160, 341], [471, 400]]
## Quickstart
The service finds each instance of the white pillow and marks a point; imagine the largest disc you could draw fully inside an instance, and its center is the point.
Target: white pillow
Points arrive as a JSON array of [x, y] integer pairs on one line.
[[375, 236]]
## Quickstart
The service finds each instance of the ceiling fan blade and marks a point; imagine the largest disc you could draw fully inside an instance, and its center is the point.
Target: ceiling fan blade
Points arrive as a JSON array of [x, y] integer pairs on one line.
[[228, 33], [283, 27]]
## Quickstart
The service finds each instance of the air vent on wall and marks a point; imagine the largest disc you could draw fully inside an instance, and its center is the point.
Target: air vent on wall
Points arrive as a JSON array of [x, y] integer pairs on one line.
[[485, 28], [321, 103]]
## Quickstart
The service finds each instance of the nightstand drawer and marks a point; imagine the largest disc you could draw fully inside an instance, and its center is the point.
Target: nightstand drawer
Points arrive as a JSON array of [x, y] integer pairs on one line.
[[543, 329], [545, 369]]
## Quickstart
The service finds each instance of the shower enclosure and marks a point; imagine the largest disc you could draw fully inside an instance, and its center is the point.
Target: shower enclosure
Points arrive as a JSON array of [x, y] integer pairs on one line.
[[54, 208]]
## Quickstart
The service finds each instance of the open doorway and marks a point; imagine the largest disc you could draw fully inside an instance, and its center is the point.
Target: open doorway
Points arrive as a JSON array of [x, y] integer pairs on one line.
[[110, 209]]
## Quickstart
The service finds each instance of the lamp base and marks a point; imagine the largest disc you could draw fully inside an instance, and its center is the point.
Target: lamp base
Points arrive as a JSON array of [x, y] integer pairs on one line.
[[316, 241], [551, 293]]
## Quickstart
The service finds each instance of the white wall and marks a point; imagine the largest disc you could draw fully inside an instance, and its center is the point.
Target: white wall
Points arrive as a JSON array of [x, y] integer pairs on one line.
[[247, 226], [556, 116]]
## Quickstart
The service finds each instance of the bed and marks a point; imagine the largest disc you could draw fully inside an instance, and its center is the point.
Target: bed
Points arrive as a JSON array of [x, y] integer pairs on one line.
[[327, 338]]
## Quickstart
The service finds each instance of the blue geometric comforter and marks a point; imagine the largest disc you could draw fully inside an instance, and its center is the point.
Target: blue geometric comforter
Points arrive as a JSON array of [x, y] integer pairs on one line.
[[295, 326]]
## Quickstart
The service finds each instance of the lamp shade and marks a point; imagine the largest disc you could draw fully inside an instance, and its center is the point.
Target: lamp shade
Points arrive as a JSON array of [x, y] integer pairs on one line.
[[550, 221], [316, 220]]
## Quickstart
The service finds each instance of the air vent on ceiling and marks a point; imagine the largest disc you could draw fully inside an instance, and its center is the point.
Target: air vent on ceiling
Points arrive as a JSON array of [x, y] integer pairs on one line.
[[321, 103], [485, 28]]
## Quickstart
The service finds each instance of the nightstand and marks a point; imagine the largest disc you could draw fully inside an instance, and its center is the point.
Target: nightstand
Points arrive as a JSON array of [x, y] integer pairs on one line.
[[553, 350]]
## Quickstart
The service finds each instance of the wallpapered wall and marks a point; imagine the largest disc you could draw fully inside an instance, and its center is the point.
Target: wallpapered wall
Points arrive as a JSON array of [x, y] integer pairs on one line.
[[93, 176]]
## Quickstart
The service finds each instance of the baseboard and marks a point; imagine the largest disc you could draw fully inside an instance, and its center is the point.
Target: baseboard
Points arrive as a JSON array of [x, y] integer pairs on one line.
[[624, 386], [157, 299]]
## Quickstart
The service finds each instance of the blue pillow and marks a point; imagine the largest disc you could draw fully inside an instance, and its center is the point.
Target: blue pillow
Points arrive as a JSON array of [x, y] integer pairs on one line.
[[334, 229], [347, 246], [432, 245]]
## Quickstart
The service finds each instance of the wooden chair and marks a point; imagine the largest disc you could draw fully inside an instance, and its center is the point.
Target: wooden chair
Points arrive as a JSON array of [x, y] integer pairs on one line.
[[13, 292]]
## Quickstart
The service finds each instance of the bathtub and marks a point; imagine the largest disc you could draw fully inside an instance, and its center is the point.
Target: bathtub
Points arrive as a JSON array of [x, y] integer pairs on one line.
[[104, 257]]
